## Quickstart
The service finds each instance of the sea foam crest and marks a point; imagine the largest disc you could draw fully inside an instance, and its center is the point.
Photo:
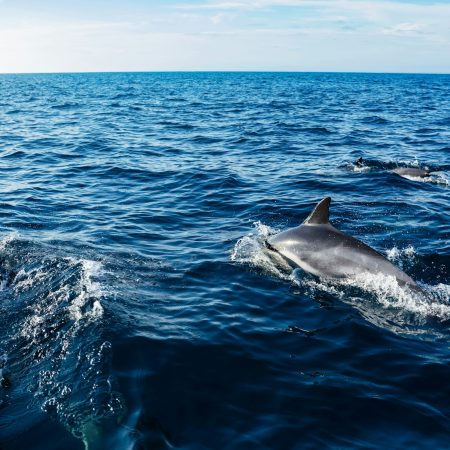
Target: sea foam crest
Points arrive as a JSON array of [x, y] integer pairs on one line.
[[414, 162], [7, 239], [88, 289], [67, 304], [77, 298], [352, 166], [391, 295], [251, 250]]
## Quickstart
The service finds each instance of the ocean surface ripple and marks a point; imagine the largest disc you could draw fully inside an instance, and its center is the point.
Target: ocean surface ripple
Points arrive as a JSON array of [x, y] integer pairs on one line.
[[139, 307]]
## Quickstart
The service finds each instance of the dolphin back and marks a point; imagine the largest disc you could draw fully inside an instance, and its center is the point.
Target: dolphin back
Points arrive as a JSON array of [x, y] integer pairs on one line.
[[411, 172]]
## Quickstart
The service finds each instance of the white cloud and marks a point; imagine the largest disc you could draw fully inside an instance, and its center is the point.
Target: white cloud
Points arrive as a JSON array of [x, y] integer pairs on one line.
[[406, 29]]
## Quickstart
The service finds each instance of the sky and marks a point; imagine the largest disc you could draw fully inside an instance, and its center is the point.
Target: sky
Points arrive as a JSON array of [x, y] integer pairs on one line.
[[232, 35]]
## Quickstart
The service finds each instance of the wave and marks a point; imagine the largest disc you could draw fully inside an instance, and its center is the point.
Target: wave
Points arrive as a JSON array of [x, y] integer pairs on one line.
[[66, 106], [375, 120], [54, 349]]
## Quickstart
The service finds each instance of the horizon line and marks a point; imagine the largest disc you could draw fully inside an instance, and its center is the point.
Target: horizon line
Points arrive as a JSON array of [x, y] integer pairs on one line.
[[221, 71]]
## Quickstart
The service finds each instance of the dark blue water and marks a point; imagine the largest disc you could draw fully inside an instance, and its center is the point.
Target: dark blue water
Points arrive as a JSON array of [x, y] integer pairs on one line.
[[139, 308]]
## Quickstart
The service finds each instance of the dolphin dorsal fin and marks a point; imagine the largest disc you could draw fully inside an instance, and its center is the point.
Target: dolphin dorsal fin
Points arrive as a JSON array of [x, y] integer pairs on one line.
[[320, 214]]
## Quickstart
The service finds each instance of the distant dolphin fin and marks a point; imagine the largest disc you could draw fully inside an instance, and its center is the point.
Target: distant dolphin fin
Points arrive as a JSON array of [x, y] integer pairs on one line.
[[320, 214]]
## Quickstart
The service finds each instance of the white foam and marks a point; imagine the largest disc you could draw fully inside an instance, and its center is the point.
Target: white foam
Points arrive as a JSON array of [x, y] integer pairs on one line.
[[26, 279], [440, 178], [44, 312], [318, 284], [64, 298], [433, 303], [7, 239], [357, 167], [410, 162], [434, 179], [88, 289], [402, 257], [251, 250], [396, 254]]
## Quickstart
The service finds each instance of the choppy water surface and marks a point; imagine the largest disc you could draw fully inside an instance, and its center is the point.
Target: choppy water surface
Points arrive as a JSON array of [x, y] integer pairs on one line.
[[139, 308]]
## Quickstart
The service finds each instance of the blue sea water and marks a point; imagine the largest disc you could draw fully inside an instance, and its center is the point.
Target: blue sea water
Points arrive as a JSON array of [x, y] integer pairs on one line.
[[139, 308]]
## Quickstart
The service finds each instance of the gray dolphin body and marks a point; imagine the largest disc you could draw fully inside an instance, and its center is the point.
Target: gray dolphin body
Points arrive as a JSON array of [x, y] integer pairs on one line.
[[411, 172], [404, 172], [319, 248]]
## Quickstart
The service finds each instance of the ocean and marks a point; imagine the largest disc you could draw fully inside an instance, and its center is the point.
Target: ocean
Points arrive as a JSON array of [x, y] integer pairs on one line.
[[139, 308]]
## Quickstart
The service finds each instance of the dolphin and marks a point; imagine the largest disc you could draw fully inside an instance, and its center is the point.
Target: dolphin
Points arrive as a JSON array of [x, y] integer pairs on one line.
[[404, 172], [319, 248], [411, 172]]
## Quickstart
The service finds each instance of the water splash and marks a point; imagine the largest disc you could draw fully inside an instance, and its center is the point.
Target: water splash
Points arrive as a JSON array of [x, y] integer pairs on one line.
[[398, 255], [439, 178], [89, 289], [359, 168], [56, 344], [413, 162], [5, 241], [251, 250]]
